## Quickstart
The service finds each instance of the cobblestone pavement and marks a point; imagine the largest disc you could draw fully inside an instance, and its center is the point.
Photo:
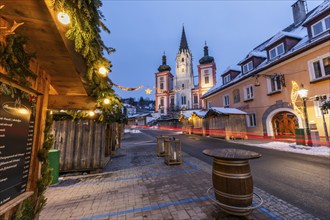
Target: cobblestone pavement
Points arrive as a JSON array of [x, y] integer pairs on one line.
[[137, 184]]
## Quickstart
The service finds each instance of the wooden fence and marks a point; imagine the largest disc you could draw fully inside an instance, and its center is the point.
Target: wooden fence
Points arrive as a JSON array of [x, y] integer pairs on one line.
[[85, 145]]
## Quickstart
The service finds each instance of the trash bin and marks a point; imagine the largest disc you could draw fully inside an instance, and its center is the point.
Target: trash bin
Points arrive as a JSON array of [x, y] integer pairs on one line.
[[54, 164], [300, 136]]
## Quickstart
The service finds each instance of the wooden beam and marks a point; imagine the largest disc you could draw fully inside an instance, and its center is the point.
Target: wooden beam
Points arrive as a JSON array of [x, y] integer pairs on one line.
[[58, 102]]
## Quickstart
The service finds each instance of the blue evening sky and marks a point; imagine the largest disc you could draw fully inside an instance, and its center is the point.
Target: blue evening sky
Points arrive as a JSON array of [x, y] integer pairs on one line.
[[142, 30]]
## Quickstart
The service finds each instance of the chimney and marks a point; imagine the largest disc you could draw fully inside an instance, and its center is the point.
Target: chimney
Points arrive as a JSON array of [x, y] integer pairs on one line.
[[299, 11]]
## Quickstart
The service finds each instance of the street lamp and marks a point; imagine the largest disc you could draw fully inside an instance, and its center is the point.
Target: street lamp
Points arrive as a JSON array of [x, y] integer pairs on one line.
[[303, 95]]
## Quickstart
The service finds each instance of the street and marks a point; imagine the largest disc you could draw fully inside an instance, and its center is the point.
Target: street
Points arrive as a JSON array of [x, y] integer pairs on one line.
[[298, 179]]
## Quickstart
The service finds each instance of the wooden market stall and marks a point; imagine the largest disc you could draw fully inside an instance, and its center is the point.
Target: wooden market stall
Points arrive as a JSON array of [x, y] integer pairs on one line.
[[55, 78], [228, 123]]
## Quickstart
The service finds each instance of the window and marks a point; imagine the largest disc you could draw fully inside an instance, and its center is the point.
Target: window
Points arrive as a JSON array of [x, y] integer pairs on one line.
[[182, 60], [206, 79], [183, 100], [236, 96], [247, 67], [161, 85], [321, 26], [172, 101], [182, 86], [274, 84], [226, 100], [182, 70], [226, 79], [248, 92], [251, 120], [317, 107], [162, 102], [209, 104], [320, 67], [276, 51], [195, 99]]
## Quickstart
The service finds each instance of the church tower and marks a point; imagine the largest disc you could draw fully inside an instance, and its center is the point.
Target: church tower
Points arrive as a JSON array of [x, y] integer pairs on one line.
[[206, 75], [184, 77], [164, 84]]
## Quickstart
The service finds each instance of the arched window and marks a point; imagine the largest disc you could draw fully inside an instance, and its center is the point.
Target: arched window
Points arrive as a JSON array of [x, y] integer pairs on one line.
[[182, 60], [183, 100]]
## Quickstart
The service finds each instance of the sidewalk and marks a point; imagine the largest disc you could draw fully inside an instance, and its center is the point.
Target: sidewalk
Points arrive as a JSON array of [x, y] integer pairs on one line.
[[137, 184]]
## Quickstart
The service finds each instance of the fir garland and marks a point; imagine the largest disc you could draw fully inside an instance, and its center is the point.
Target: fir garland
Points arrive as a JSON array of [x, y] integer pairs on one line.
[[84, 30], [31, 207], [15, 60]]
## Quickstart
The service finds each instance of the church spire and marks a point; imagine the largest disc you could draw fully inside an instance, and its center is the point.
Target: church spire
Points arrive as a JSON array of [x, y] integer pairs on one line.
[[183, 43]]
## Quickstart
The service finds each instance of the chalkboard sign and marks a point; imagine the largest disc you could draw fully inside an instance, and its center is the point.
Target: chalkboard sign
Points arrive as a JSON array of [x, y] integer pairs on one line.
[[17, 116]]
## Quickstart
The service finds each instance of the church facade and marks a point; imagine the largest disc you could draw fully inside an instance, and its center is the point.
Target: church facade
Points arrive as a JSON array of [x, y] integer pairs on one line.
[[180, 91]]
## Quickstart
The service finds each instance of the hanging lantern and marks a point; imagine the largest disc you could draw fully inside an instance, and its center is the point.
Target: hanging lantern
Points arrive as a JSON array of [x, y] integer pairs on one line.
[[106, 101], [103, 71], [63, 18], [173, 151], [161, 145]]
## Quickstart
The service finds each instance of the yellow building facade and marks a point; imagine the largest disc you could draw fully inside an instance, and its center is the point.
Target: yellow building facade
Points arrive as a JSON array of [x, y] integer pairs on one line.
[[273, 72]]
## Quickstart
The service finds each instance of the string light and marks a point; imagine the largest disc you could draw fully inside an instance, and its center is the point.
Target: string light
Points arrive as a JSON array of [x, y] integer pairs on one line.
[[91, 113], [148, 91], [63, 18], [106, 101], [103, 71]]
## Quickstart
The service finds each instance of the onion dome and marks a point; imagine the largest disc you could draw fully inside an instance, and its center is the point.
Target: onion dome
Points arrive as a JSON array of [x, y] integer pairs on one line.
[[164, 67], [206, 58]]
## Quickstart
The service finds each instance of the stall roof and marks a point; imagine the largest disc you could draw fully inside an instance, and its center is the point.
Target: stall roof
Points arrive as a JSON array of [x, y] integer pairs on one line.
[[46, 36]]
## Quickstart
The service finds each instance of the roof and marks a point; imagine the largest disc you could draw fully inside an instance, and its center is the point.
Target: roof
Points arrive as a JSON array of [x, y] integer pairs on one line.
[[254, 53], [183, 42], [139, 115], [218, 110], [231, 68], [282, 34], [324, 6], [227, 111], [55, 53], [299, 32]]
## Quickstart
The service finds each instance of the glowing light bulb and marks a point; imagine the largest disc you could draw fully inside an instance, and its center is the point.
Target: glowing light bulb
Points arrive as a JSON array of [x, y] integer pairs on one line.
[[106, 101], [23, 111], [63, 18], [103, 71], [91, 113]]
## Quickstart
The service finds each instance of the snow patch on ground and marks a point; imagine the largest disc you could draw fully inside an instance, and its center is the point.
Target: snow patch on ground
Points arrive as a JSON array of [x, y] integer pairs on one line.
[[132, 131], [289, 147]]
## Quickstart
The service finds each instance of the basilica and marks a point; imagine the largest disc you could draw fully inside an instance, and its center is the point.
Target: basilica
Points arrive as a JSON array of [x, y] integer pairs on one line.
[[180, 91]]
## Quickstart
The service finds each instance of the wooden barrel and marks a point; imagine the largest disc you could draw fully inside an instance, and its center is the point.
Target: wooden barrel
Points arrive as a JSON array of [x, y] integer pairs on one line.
[[233, 185]]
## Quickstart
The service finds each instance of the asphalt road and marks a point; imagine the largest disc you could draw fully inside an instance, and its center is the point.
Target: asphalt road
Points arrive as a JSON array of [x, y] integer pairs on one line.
[[302, 180]]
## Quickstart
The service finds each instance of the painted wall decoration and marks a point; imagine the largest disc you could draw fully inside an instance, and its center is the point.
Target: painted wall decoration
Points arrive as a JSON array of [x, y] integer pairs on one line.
[[17, 117]]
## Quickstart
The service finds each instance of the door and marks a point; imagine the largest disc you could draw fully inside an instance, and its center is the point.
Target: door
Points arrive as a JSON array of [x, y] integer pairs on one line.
[[284, 124]]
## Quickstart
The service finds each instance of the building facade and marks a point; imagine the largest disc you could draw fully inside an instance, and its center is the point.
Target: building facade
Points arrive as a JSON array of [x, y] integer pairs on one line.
[[266, 84], [179, 92]]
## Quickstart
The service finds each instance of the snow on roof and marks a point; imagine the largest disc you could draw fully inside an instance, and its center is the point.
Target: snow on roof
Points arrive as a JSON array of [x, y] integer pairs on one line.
[[200, 113], [254, 53], [187, 114], [231, 111], [139, 115], [320, 9], [232, 67], [283, 34]]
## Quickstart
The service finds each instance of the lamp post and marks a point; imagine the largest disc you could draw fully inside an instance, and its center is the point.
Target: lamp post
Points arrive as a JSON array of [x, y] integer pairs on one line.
[[303, 95]]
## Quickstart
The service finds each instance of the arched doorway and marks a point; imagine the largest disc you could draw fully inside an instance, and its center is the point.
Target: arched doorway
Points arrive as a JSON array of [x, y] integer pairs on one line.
[[284, 124]]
